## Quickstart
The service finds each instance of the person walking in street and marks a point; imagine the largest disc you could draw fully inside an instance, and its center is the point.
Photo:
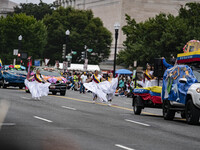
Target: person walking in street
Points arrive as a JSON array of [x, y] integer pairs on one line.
[[39, 87], [83, 79]]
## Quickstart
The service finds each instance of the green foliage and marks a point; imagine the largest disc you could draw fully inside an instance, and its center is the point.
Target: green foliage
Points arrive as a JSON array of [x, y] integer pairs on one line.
[[84, 30], [34, 35], [160, 36], [36, 10]]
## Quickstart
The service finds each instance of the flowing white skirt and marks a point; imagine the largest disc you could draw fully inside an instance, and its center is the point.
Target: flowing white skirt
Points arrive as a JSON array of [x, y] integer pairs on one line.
[[103, 89], [95, 88], [37, 89]]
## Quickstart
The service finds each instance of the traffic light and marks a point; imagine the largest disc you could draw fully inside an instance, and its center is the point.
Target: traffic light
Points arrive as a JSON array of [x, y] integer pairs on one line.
[[18, 55], [82, 55], [64, 51], [69, 64]]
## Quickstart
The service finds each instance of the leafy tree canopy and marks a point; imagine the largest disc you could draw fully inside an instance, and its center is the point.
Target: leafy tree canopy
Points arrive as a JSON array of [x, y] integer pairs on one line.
[[84, 29], [34, 36], [163, 35], [36, 10]]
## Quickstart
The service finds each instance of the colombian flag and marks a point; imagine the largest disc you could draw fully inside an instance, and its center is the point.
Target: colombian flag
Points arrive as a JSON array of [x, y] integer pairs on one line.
[[1, 64]]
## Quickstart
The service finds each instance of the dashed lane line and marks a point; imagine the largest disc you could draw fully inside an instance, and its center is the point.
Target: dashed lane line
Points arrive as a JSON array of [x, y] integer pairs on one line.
[[70, 108], [136, 122], [43, 119], [123, 147], [7, 124]]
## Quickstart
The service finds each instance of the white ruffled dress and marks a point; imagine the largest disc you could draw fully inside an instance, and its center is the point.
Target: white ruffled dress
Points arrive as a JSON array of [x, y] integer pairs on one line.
[[37, 89], [104, 90]]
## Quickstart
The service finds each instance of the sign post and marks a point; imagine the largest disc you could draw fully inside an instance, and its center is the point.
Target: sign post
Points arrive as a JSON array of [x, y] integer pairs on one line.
[[85, 65], [65, 64]]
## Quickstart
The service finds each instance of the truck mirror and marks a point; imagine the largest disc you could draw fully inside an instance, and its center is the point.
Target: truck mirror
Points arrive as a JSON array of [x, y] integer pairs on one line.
[[182, 80]]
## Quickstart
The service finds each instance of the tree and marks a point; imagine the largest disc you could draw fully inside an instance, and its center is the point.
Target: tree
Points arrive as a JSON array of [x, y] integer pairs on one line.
[[34, 35], [36, 10], [84, 30], [163, 35]]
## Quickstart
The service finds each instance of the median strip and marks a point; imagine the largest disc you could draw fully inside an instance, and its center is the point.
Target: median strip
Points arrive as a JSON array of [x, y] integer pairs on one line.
[[123, 147], [147, 125], [43, 119]]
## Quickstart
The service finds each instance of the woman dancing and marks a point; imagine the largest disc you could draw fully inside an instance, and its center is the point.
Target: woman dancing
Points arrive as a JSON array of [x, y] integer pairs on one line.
[[39, 87]]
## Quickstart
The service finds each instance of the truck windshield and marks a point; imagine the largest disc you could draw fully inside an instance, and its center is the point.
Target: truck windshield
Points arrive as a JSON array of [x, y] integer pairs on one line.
[[197, 74]]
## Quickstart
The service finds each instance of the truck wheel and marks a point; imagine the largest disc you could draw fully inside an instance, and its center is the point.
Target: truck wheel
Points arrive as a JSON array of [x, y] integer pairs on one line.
[[54, 93], [137, 109], [167, 113], [183, 115], [192, 113], [62, 93]]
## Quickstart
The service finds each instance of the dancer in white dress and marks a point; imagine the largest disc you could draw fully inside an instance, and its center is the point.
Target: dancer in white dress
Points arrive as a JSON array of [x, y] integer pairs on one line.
[[113, 85], [94, 86], [39, 87]]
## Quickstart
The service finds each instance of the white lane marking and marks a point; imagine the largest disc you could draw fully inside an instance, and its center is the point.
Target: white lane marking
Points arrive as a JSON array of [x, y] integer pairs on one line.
[[68, 108], [42, 119], [144, 124], [123, 147], [7, 124], [25, 98]]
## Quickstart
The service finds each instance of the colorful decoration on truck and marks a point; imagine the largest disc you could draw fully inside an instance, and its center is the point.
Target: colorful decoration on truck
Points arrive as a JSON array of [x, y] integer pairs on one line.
[[172, 88]]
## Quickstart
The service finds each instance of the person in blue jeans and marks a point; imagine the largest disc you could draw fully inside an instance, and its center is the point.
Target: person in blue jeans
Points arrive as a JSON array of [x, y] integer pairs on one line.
[[83, 80]]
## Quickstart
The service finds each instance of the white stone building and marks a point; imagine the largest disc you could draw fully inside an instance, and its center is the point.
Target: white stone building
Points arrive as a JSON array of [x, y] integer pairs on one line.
[[111, 11], [6, 6]]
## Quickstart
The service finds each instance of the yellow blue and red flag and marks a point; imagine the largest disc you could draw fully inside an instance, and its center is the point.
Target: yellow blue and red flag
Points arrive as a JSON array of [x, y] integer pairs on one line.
[[1, 64]]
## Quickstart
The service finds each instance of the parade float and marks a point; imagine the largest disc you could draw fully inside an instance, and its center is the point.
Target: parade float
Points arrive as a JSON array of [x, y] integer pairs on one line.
[[13, 76], [181, 85], [180, 90], [147, 93]]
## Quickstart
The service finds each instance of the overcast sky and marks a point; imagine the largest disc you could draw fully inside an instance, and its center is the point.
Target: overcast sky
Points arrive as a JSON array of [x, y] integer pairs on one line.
[[32, 1]]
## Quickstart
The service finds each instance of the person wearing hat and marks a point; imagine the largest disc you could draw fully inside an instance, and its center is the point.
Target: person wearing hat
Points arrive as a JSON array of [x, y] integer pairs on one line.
[[83, 80]]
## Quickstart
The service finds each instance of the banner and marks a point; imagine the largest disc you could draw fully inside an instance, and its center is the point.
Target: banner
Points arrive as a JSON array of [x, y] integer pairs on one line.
[[37, 63]]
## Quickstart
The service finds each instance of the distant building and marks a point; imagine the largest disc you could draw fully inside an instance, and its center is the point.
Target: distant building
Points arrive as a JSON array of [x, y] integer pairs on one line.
[[6, 6], [111, 11]]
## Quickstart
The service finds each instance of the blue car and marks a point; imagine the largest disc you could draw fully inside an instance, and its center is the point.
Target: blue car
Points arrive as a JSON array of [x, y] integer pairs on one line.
[[12, 77]]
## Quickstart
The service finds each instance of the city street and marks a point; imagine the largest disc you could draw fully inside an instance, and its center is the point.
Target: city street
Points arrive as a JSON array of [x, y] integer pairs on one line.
[[73, 122]]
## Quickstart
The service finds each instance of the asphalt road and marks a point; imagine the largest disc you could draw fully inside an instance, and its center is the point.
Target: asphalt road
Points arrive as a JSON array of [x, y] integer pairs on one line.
[[74, 123]]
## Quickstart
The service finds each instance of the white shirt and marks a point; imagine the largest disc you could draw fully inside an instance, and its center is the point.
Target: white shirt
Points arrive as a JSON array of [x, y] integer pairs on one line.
[[83, 78]]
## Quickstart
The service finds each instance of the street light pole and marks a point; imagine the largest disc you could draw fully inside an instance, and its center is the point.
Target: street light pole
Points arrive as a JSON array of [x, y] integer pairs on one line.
[[20, 45], [67, 39], [116, 26]]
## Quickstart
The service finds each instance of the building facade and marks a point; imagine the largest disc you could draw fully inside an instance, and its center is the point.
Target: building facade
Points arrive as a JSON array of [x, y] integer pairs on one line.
[[6, 6], [112, 11]]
